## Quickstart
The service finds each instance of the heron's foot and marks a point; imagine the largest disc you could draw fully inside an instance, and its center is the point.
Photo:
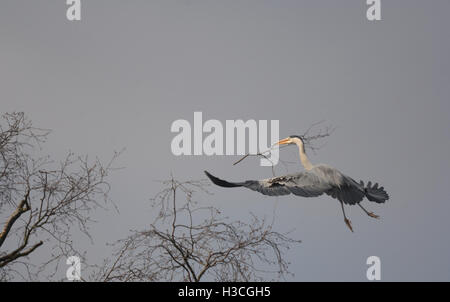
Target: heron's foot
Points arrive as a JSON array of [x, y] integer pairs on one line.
[[348, 223], [373, 215]]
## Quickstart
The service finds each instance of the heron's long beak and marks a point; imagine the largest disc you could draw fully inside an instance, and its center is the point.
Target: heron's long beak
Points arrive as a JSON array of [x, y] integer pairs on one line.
[[284, 141]]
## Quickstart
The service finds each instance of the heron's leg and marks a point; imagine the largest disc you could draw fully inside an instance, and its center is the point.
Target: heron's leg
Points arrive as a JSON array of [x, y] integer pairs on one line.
[[371, 214], [347, 221]]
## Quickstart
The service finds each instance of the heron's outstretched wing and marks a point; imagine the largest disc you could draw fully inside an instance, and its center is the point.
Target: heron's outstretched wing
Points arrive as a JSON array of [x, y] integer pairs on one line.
[[306, 184], [320, 179]]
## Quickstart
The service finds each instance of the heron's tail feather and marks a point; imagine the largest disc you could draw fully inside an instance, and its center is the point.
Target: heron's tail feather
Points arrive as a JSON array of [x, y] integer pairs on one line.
[[375, 193], [223, 183]]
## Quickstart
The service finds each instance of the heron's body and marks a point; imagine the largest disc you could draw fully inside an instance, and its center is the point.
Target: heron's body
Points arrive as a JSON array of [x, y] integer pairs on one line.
[[314, 181]]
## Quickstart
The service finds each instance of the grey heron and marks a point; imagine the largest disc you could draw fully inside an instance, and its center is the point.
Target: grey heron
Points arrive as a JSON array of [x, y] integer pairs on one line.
[[312, 182]]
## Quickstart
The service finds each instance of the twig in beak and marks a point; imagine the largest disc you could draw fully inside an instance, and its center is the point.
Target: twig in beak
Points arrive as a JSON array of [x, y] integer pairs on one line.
[[257, 154]]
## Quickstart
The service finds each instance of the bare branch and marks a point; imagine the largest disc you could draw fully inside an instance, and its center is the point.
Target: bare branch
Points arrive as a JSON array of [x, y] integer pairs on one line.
[[312, 135]]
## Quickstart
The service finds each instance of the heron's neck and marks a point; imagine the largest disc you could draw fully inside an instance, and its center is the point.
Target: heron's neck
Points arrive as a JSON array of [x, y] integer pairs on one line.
[[303, 158]]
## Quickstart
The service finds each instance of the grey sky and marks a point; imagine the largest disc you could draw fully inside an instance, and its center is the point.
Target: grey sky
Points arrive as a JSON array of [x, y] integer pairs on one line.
[[123, 74]]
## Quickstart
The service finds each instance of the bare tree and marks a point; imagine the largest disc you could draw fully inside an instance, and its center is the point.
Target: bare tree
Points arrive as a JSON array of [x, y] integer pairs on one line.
[[41, 201], [188, 242]]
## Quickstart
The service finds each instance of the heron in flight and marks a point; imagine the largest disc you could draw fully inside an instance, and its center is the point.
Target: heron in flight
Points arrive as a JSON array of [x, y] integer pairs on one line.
[[313, 182]]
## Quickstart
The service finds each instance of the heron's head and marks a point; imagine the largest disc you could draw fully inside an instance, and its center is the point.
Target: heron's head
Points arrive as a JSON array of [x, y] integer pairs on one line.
[[293, 139]]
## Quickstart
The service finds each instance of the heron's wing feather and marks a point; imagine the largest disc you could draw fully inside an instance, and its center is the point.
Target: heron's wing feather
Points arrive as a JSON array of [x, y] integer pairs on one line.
[[349, 192], [306, 184], [320, 179]]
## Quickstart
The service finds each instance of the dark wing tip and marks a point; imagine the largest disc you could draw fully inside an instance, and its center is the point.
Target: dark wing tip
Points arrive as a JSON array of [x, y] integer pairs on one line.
[[221, 182], [211, 177]]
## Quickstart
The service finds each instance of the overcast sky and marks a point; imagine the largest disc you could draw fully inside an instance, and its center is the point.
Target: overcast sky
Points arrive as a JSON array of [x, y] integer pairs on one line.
[[120, 77]]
